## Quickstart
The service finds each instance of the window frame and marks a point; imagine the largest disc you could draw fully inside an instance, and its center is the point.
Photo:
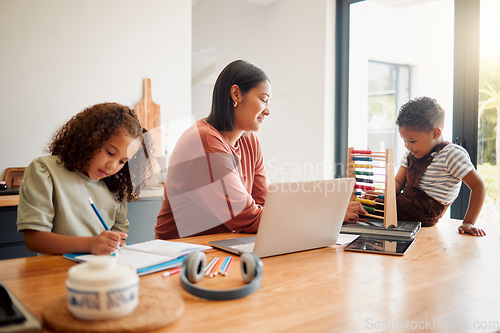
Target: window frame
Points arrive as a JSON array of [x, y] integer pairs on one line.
[[397, 92], [465, 87]]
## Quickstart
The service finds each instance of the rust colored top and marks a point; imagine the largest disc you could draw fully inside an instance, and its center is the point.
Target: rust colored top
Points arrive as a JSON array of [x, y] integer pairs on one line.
[[211, 186]]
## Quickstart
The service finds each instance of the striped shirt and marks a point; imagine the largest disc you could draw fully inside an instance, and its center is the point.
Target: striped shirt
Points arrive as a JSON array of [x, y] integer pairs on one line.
[[443, 177]]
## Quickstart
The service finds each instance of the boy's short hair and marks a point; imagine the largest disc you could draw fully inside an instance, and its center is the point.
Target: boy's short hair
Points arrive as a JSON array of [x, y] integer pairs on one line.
[[421, 114]]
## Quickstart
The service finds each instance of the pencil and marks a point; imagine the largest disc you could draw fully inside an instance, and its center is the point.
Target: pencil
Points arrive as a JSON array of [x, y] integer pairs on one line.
[[208, 268], [224, 264], [220, 266], [98, 214], [226, 271], [117, 250], [210, 273], [216, 267], [171, 272]]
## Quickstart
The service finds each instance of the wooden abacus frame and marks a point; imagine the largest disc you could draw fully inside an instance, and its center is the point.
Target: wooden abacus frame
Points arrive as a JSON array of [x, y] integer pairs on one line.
[[390, 210]]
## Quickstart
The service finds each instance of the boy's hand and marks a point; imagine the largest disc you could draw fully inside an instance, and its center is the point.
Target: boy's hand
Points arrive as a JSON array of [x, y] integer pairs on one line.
[[372, 195], [106, 242], [469, 228]]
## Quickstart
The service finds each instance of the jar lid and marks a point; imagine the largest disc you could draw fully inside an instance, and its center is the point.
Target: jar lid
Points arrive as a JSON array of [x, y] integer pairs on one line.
[[102, 270]]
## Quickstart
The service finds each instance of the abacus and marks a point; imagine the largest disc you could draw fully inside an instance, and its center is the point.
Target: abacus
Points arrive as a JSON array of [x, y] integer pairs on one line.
[[375, 191]]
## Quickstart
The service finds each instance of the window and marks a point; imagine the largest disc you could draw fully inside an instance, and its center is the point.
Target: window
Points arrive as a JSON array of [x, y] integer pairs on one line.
[[388, 88], [488, 157], [438, 42]]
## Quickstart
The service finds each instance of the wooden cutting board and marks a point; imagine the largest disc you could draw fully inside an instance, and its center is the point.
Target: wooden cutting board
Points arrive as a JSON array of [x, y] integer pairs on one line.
[[147, 110]]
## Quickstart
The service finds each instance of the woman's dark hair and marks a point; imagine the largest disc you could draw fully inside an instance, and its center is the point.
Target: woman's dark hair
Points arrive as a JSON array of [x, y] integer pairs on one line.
[[421, 114], [246, 76], [76, 142]]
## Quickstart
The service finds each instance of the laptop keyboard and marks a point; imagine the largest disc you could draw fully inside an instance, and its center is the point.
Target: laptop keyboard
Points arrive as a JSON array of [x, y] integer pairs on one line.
[[244, 247]]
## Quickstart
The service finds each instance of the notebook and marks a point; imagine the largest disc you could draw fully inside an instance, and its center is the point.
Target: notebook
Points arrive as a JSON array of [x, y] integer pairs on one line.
[[297, 216], [149, 256]]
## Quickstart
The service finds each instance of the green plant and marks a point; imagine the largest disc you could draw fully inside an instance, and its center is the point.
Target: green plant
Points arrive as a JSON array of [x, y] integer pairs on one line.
[[492, 101]]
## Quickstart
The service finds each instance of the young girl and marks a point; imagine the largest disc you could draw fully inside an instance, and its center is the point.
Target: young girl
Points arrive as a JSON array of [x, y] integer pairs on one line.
[[89, 158]]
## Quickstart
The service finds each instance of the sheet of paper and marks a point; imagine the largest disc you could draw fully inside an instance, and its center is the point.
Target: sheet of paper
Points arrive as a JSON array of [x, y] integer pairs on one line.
[[149, 253], [166, 248], [136, 259], [346, 238]]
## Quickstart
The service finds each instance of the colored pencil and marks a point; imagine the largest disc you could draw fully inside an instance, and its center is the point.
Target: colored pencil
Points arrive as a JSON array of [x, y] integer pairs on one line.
[[226, 271], [212, 268], [217, 267], [224, 264], [117, 250], [209, 266], [98, 214], [171, 272]]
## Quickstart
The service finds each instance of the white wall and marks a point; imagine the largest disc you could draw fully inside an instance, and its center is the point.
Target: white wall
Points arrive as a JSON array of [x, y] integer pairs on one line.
[[60, 56], [292, 41], [405, 34]]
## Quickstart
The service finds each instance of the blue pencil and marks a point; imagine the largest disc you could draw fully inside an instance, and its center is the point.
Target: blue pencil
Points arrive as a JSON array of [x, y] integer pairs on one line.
[[224, 266], [98, 214], [226, 270], [103, 223]]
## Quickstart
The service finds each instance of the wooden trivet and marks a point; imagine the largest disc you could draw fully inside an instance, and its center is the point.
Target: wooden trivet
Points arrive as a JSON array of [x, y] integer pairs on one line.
[[156, 308]]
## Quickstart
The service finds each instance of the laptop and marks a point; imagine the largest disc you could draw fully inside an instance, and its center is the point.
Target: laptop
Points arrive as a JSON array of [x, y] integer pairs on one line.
[[297, 216]]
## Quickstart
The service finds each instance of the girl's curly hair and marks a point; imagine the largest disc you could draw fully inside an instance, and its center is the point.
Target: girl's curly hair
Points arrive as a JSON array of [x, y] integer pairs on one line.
[[76, 142]]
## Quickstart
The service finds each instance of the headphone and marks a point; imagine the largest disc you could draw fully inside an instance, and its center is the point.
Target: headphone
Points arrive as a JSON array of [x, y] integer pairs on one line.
[[193, 269]]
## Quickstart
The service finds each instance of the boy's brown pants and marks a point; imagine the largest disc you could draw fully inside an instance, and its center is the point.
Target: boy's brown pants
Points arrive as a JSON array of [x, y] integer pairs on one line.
[[413, 204]]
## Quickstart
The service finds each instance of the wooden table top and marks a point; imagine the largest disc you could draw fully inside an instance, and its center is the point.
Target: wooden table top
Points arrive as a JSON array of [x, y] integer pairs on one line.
[[446, 281], [9, 200]]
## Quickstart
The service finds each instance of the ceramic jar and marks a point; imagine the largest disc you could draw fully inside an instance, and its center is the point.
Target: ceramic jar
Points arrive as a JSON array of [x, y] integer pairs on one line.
[[102, 288]]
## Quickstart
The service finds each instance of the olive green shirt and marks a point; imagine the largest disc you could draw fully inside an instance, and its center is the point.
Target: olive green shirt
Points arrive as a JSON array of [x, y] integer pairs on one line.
[[54, 199]]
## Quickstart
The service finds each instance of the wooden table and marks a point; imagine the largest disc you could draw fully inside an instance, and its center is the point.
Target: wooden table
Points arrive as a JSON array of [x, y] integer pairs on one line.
[[9, 200], [446, 282]]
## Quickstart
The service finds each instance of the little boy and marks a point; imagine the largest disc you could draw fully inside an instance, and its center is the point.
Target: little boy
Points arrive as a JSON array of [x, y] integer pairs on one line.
[[432, 169]]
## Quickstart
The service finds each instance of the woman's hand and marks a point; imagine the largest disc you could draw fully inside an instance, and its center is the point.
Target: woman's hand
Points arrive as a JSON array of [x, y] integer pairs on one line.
[[353, 210]]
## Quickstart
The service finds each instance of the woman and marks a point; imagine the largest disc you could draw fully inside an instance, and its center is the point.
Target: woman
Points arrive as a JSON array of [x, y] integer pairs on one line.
[[216, 181]]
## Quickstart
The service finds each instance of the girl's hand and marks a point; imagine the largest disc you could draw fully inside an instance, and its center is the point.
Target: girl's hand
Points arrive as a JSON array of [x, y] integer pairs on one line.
[[106, 242], [469, 228], [123, 236]]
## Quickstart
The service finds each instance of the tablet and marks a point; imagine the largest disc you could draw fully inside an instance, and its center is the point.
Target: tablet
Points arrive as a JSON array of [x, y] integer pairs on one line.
[[394, 246], [14, 317]]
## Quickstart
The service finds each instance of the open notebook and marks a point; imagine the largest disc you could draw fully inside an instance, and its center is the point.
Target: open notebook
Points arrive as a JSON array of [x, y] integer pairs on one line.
[[150, 256]]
